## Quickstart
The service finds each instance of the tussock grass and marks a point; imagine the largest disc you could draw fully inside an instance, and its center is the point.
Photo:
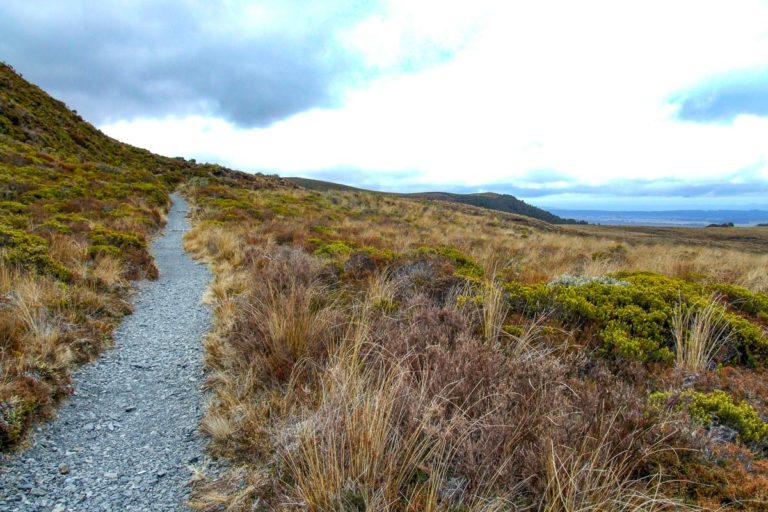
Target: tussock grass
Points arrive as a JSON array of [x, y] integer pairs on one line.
[[495, 310], [700, 333], [595, 475]]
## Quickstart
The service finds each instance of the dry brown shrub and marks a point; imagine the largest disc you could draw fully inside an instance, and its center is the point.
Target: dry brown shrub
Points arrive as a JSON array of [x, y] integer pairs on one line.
[[287, 315]]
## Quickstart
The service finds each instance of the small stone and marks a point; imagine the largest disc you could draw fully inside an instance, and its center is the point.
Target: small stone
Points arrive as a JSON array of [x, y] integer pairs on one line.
[[37, 492], [88, 427], [161, 473], [64, 469], [58, 508], [111, 475], [130, 408]]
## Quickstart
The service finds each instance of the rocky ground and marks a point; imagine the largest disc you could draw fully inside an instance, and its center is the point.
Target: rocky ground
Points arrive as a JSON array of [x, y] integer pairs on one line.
[[128, 437]]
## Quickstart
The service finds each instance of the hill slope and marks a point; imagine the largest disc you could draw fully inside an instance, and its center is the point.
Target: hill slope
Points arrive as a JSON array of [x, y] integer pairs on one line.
[[76, 211], [488, 200], [500, 202]]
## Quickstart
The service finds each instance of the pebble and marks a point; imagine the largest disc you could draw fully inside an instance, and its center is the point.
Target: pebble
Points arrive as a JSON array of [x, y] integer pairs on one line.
[[154, 372]]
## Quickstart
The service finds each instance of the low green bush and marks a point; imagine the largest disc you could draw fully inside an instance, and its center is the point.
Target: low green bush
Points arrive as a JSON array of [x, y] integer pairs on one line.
[[741, 299], [631, 313], [465, 266], [716, 407], [332, 248], [118, 239], [30, 252]]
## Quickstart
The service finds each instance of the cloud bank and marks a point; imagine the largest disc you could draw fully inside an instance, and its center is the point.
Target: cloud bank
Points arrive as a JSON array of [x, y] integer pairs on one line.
[[546, 100], [248, 63]]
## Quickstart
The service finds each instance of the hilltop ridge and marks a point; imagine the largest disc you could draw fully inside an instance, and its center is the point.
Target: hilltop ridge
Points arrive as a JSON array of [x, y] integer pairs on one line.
[[488, 200], [30, 119]]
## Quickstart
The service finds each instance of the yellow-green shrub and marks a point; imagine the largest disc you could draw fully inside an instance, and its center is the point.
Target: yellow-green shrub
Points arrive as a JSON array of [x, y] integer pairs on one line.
[[632, 313], [30, 252], [716, 407]]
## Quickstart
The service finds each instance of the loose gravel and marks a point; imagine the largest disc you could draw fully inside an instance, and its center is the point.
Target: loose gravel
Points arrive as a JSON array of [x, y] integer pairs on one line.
[[128, 437]]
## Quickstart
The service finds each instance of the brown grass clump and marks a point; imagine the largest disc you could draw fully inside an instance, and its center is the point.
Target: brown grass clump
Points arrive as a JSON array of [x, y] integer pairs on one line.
[[699, 335]]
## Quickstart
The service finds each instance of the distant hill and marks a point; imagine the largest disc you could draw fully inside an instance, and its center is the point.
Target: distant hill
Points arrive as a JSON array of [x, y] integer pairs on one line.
[[501, 202], [487, 200], [322, 186]]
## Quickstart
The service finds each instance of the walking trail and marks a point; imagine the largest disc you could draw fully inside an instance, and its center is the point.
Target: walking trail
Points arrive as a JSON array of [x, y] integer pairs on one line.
[[127, 437]]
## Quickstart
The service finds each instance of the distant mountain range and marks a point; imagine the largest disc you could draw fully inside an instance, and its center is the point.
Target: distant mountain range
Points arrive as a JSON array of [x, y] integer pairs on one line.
[[488, 200], [671, 218]]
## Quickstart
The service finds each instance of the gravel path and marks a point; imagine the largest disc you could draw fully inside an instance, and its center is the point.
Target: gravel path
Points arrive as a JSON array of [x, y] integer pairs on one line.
[[127, 437]]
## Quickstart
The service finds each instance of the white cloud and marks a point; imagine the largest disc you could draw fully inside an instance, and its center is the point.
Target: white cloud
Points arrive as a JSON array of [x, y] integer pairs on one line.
[[581, 88]]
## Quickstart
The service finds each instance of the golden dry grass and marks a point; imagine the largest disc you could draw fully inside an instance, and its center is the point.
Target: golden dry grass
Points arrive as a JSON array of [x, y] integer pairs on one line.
[[699, 335]]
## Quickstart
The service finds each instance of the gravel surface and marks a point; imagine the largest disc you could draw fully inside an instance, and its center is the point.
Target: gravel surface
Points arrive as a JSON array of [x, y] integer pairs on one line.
[[128, 437]]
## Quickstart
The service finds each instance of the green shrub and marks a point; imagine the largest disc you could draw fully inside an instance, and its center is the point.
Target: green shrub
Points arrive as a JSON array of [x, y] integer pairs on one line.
[[632, 313], [13, 207], [104, 250], [153, 194], [465, 266], [742, 299], [331, 249], [717, 407], [118, 239], [380, 255], [54, 226], [30, 252], [322, 230]]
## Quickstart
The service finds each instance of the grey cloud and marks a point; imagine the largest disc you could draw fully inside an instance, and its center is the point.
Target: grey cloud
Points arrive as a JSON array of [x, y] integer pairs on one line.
[[145, 58], [745, 182], [401, 181], [721, 99]]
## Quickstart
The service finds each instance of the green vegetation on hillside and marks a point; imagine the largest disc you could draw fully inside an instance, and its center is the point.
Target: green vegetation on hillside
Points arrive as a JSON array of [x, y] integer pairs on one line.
[[77, 210]]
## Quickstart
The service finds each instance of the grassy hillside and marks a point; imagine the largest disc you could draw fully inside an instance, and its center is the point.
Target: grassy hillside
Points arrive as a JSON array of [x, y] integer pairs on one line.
[[77, 210], [489, 200], [500, 202]]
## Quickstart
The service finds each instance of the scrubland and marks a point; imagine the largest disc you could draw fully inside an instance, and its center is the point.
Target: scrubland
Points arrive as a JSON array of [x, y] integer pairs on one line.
[[378, 353]]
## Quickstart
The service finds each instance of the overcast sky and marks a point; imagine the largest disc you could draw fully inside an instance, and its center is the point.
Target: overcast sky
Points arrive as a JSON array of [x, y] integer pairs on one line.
[[590, 104]]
